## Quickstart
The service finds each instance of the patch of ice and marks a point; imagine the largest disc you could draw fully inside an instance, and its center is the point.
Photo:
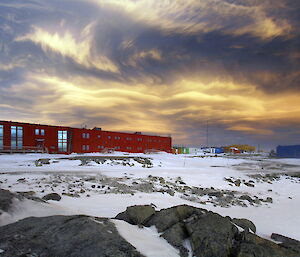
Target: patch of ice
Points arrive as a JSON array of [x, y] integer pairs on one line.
[[187, 244], [146, 240]]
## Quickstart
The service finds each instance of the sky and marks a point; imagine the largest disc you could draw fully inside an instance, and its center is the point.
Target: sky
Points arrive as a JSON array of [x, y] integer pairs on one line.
[[179, 67]]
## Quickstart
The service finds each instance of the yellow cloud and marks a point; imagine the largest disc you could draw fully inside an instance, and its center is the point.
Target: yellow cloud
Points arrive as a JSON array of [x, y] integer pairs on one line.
[[195, 16], [251, 130], [153, 54], [158, 108], [67, 45]]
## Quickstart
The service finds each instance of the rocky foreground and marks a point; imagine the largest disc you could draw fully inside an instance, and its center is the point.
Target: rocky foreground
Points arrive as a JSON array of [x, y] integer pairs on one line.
[[193, 231]]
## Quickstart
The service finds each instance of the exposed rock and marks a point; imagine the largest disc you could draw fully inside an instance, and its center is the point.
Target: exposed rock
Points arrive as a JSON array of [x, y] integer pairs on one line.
[[210, 234], [52, 196], [249, 184], [245, 224], [166, 218], [215, 193], [137, 214], [269, 200], [175, 236], [64, 236], [287, 242], [247, 197], [41, 162], [31, 196], [6, 199], [250, 245], [237, 182]]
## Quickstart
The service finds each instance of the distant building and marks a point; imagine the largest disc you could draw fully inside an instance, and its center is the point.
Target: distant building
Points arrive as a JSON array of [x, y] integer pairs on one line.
[[180, 150], [213, 150], [196, 151], [27, 137], [288, 151]]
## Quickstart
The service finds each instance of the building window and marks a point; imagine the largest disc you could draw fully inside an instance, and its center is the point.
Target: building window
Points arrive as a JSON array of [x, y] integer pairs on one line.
[[16, 137], [99, 136], [128, 148], [39, 132], [139, 139], [85, 135], [117, 138], [1, 137], [85, 147], [62, 140], [100, 146], [139, 148], [109, 137], [128, 138], [117, 148]]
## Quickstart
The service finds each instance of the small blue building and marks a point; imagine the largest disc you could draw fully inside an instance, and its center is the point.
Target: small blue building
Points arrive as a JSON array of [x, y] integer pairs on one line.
[[219, 150], [288, 151]]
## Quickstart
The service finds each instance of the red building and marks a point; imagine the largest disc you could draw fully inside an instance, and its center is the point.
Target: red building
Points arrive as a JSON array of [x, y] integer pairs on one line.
[[24, 137]]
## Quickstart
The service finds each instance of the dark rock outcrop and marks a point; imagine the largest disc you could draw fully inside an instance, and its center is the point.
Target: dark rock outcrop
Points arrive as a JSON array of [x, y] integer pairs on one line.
[[6, 199], [210, 234], [30, 195], [62, 236], [245, 224], [137, 214], [250, 245], [52, 196], [287, 242]]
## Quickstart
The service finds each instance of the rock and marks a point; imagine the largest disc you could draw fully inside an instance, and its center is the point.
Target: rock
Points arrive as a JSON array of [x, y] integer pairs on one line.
[[137, 214], [52, 196], [269, 200], [245, 224], [30, 195], [246, 197], [250, 245], [248, 184], [64, 236], [41, 162], [211, 235], [287, 242], [175, 235], [215, 193], [237, 182], [166, 218], [6, 199], [228, 180]]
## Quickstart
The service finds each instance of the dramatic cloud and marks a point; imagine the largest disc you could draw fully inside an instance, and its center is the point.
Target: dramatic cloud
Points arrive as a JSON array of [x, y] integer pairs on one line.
[[172, 67]]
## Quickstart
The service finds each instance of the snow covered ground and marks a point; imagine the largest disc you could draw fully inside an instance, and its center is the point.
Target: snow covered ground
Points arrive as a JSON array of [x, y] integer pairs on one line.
[[104, 185]]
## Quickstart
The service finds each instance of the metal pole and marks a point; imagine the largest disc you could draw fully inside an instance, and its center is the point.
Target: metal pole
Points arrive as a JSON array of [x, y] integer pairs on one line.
[[207, 133]]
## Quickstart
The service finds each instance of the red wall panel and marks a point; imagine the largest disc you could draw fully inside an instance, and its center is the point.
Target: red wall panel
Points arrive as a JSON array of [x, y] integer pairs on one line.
[[95, 141]]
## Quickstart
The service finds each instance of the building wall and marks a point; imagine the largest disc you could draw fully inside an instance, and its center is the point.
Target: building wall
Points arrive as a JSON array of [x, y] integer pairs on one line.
[[84, 140], [289, 151]]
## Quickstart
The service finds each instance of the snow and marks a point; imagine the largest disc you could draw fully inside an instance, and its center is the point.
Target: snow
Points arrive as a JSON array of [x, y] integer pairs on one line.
[[281, 216], [146, 240]]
